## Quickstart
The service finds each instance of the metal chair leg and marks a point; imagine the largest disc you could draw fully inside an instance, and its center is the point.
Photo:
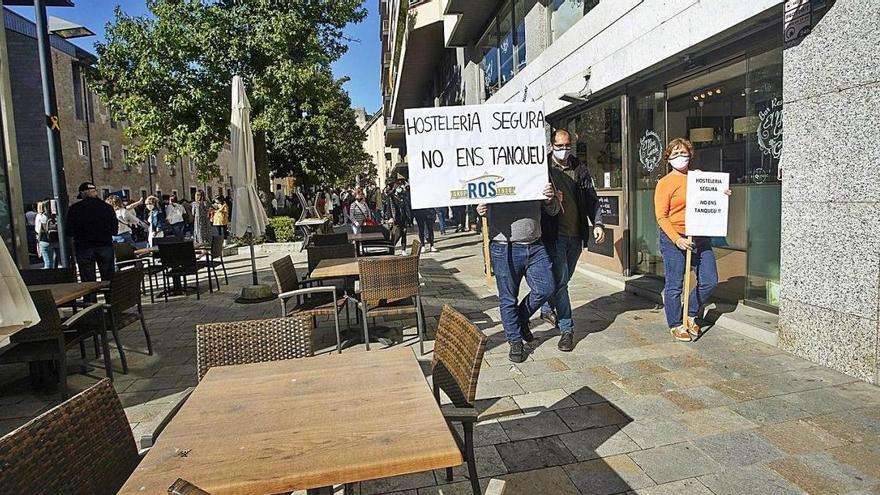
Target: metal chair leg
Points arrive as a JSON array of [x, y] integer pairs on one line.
[[105, 345], [144, 328], [363, 307], [115, 333], [420, 325], [471, 460]]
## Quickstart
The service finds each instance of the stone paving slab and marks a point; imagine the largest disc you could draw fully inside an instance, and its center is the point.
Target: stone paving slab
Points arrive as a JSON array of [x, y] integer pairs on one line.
[[627, 412]]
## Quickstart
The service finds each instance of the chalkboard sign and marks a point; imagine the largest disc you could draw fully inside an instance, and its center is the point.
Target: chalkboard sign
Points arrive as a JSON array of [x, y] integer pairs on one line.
[[606, 248], [610, 206]]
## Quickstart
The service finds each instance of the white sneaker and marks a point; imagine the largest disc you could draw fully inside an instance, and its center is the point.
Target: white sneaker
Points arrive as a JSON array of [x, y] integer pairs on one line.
[[402, 252], [433, 249]]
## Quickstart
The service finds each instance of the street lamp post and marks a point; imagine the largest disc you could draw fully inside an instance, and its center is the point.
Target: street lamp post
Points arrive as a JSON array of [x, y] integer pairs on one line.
[[53, 129]]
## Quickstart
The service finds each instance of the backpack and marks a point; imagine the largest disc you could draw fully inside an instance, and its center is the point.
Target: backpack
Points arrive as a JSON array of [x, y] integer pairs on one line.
[[51, 232]]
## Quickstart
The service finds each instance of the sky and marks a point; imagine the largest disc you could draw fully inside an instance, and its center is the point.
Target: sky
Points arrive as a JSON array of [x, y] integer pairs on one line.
[[360, 63]]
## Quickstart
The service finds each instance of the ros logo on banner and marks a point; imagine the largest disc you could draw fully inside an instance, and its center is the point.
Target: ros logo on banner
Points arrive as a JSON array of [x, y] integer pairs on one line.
[[473, 154]]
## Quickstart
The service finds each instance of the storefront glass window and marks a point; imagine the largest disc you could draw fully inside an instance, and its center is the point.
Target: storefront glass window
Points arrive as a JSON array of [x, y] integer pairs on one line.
[[565, 13], [503, 47], [733, 115], [596, 137]]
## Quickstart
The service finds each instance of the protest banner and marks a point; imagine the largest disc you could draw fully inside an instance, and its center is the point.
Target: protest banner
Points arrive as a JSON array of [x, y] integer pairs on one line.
[[707, 205], [463, 155]]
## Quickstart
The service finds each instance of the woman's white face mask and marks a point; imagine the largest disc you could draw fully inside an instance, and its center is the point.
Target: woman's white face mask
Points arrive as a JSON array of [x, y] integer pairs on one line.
[[680, 163]]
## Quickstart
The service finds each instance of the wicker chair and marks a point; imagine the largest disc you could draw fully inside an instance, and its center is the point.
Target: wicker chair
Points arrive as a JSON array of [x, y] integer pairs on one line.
[[123, 296], [318, 253], [330, 239], [390, 286], [179, 260], [49, 339], [458, 354], [416, 248], [125, 257], [83, 446], [48, 276], [254, 341], [215, 259], [307, 299]]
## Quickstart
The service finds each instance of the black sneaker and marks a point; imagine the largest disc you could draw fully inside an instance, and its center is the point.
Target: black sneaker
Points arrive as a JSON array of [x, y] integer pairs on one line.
[[566, 342], [550, 317], [525, 332], [517, 354]]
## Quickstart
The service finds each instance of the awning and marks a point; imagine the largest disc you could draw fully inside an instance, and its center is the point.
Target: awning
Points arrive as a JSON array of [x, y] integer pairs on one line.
[[419, 56]]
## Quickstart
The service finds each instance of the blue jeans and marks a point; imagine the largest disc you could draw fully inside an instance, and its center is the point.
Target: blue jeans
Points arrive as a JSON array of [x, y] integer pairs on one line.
[[124, 238], [441, 216], [49, 251], [425, 224], [703, 261], [511, 262], [564, 254]]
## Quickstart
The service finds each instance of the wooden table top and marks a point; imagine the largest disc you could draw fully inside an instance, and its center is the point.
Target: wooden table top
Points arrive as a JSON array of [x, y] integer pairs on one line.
[[303, 423], [71, 291], [336, 268], [366, 236]]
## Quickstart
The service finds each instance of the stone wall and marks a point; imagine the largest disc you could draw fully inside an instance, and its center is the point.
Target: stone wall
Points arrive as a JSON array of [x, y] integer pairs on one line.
[[831, 192], [33, 145]]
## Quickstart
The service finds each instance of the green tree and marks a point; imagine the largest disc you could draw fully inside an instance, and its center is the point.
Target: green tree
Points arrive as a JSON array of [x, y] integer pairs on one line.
[[169, 76]]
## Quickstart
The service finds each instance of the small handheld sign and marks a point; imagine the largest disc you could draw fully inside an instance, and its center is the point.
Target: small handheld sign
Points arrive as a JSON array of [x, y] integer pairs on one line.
[[465, 155]]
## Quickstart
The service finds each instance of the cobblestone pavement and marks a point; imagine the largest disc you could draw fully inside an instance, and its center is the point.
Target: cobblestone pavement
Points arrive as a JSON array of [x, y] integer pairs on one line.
[[629, 411]]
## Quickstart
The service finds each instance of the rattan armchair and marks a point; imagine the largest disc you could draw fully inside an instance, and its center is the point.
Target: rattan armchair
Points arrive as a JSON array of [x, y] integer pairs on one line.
[[253, 341], [179, 260], [83, 446], [389, 286], [49, 339], [125, 256], [215, 259], [458, 354], [43, 276], [123, 307]]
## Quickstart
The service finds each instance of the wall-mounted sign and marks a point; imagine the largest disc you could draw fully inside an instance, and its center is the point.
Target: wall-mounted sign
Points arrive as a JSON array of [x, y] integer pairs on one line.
[[797, 21], [463, 155], [650, 150], [610, 206], [770, 129]]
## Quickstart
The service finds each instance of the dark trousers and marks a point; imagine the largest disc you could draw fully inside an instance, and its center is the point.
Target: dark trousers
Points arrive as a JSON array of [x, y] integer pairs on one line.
[[221, 230], [425, 223], [87, 258], [458, 216]]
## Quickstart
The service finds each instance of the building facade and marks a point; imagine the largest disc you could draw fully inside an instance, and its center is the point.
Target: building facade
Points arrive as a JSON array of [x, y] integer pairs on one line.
[[93, 145], [384, 157], [625, 77]]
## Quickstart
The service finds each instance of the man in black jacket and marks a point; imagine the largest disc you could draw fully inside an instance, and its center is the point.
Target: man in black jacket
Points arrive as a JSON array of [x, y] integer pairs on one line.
[[92, 223], [565, 234]]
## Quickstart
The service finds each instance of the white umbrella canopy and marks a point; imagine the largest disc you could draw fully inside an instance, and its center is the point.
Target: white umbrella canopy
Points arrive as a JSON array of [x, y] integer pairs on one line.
[[16, 307], [247, 211]]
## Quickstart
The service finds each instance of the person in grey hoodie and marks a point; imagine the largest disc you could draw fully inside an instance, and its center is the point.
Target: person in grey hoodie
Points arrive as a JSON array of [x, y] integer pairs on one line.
[[516, 251]]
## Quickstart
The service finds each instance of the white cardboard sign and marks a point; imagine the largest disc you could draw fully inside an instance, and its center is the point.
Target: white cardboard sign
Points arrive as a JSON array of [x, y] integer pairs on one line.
[[707, 205], [462, 155]]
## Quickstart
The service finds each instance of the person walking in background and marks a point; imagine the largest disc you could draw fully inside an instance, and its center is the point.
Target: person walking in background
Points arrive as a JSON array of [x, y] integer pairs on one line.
[[400, 213], [92, 223], [321, 204], [565, 234], [221, 217], [174, 215], [425, 226], [46, 233], [516, 252], [157, 225], [360, 211], [200, 207], [335, 205], [441, 217], [670, 201], [126, 219], [458, 213]]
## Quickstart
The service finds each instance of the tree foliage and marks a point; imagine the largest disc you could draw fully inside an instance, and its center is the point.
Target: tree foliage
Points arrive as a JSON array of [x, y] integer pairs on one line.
[[169, 75]]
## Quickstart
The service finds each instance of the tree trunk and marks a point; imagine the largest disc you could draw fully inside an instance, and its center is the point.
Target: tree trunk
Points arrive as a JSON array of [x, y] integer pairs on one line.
[[261, 161]]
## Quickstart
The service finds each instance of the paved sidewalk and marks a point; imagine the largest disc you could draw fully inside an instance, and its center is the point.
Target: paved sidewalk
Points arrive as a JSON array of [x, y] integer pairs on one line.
[[629, 411]]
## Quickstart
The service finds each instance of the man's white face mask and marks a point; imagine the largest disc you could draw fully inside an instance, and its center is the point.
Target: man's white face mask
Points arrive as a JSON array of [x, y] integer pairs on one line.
[[561, 154]]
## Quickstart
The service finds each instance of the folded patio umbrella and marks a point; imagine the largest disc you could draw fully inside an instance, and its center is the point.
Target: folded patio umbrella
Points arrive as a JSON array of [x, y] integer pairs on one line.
[[16, 307]]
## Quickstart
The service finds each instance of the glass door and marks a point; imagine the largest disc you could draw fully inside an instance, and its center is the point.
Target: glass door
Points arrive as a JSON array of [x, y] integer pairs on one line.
[[648, 122]]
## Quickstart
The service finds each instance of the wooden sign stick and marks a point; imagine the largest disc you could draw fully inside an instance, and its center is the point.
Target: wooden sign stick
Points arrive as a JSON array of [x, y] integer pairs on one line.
[[687, 285], [489, 277]]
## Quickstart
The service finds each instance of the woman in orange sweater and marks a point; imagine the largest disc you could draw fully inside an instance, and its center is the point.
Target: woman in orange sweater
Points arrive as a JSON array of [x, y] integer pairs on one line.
[[670, 197]]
